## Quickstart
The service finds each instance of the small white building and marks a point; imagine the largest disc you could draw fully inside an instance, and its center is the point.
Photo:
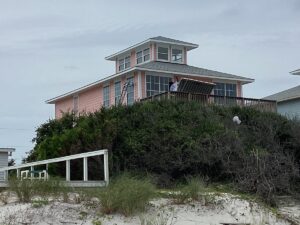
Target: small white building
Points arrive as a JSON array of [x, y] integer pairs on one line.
[[4, 154]]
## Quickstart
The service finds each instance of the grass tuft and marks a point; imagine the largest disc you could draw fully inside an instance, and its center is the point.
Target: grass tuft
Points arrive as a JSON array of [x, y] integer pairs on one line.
[[126, 195]]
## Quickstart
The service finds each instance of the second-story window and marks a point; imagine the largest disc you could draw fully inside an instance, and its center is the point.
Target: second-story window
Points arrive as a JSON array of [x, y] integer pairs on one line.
[[163, 53], [106, 96], [117, 92], [124, 63], [176, 55], [139, 57], [143, 56], [127, 62]]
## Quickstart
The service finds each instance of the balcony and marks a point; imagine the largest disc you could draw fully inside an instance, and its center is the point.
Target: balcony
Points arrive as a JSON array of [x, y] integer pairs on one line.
[[226, 101]]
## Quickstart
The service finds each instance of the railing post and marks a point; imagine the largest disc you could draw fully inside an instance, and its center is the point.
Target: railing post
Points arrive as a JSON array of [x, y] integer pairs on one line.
[[85, 169], [31, 172], [189, 96], [106, 168], [68, 177], [18, 173]]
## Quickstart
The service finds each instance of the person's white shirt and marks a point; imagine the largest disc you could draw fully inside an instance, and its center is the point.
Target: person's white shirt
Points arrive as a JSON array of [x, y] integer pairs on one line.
[[174, 86]]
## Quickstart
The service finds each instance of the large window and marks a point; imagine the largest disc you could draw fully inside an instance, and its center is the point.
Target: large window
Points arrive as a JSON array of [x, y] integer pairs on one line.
[[176, 55], [106, 96], [224, 89], [75, 104], [163, 53], [143, 56], [157, 84], [117, 92], [130, 91], [124, 63]]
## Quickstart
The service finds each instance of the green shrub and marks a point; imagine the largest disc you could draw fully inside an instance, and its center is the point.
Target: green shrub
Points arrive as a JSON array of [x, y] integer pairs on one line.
[[173, 140], [126, 195]]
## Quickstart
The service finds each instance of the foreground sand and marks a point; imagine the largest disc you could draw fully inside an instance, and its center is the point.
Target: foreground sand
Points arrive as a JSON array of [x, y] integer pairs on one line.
[[223, 208]]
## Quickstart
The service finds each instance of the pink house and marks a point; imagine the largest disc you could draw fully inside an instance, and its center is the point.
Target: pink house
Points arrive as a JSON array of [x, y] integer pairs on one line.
[[148, 67]]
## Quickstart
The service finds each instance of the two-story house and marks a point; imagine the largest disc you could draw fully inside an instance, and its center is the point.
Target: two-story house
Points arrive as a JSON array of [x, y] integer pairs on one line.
[[148, 66]]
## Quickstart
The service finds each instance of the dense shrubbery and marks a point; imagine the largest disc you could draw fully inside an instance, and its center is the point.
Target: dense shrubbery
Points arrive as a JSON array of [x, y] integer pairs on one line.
[[172, 140]]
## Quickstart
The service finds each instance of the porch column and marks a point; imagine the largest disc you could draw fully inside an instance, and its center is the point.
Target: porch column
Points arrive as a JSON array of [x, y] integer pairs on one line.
[[85, 169], [106, 168], [68, 177]]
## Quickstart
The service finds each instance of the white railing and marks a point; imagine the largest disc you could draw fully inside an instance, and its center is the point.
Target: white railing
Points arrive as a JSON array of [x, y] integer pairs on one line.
[[67, 159]]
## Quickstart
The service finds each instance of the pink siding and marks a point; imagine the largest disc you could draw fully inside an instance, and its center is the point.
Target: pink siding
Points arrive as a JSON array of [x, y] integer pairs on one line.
[[135, 78], [185, 55], [63, 106], [90, 100], [239, 89], [143, 83], [132, 59]]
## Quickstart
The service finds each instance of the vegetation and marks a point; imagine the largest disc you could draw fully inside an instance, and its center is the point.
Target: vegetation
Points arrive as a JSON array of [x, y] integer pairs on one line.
[[27, 189], [126, 195], [174, 140]]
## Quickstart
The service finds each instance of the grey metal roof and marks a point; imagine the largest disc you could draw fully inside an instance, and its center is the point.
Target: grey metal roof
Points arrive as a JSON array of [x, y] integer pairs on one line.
[[170, 40], [158, 39], [285, 95], [296, 72], [190, 70]]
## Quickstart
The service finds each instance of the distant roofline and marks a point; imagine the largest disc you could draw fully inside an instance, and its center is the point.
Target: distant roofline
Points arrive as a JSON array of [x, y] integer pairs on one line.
[[276, 96], [7, 149], [186, 44], [295, 72], [91, 85]]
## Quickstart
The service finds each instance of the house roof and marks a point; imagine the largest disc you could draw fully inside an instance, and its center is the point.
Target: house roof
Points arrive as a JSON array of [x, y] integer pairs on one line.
[[7, 149], [158, 39], [289, 94], [184, 69], [164, 67], [295, 72]]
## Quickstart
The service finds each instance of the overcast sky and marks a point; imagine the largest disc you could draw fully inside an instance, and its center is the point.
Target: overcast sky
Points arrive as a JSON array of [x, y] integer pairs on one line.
[[50, 47]]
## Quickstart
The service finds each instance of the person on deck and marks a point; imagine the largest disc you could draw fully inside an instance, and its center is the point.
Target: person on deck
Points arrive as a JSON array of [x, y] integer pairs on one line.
[[174, 85]]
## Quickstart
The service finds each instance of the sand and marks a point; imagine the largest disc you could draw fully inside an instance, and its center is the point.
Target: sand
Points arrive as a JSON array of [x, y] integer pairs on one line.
[[208, 211]]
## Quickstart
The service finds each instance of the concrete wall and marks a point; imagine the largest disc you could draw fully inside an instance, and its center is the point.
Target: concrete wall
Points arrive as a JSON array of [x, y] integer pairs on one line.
[[291, 108], [3, 163]]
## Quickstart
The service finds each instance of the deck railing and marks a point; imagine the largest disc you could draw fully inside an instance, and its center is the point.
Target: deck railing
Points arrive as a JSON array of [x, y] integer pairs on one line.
[[259, 104]]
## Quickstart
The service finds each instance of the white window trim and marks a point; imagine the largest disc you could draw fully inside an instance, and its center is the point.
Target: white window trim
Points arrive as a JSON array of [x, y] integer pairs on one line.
[[124, 63], [109, 103], [163, 46], [143, 55], [182, 59], [155, 74]]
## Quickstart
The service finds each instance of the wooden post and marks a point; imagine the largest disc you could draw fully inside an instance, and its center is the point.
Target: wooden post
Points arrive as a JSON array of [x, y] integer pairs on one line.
[[31, 172], [68, 177], [106, 168], [18, 173], [85, 169]]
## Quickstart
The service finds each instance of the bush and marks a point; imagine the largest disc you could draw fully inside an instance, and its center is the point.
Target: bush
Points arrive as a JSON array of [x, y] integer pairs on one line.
[[126, 195], [173, 140]]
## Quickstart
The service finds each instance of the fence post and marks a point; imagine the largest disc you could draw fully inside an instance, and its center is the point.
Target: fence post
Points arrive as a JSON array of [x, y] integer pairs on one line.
[[106, 168], [68, 176], [85, 169]]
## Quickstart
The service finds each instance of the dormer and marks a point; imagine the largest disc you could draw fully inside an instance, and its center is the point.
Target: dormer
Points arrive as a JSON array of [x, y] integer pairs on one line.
[[153, 49]]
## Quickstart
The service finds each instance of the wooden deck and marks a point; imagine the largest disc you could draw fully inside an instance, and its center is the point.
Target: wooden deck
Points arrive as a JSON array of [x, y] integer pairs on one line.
[[259, 104]]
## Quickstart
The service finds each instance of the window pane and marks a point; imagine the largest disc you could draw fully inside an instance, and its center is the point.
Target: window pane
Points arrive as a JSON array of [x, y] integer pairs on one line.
[[106, 96], [219, 89], [130, 91], [117, 92], [146, 57], [162, 53], [176, 55]]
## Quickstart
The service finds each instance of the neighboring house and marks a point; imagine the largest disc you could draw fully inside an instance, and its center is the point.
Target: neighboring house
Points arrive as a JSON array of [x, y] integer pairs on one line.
[[288, 101], [149, 66], [4, 153]]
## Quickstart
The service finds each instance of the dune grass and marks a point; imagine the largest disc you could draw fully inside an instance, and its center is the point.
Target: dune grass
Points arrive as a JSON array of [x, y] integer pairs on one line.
[[126, 195]]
